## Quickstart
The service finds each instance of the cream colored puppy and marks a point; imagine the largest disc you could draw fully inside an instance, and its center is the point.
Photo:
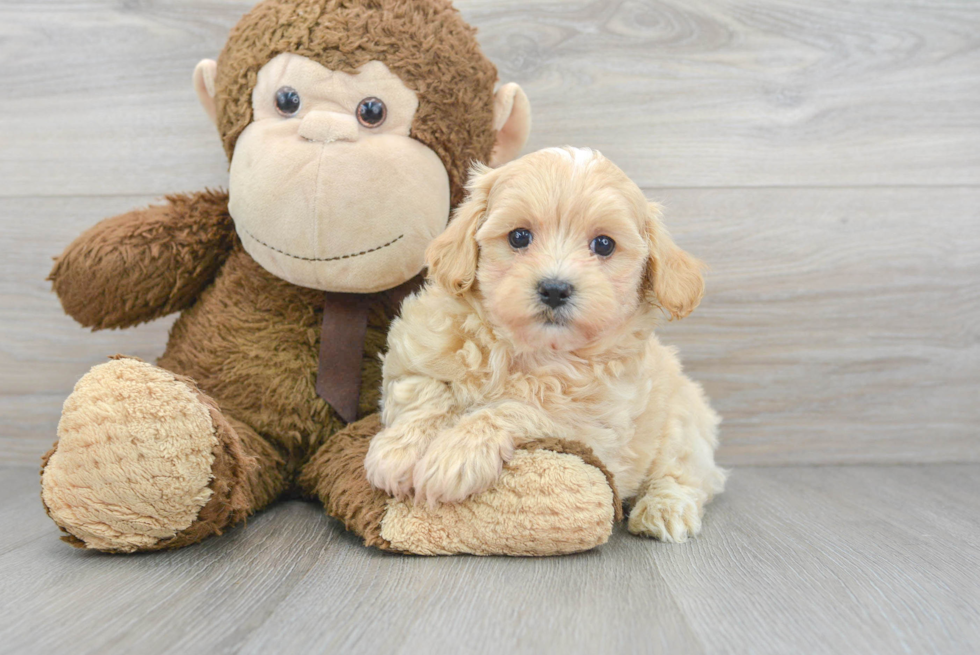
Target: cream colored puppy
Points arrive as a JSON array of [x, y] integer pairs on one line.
[[538, 321]]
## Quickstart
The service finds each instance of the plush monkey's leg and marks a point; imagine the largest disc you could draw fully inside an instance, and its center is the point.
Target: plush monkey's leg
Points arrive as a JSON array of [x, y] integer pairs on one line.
[[146, 461], [554, 497]]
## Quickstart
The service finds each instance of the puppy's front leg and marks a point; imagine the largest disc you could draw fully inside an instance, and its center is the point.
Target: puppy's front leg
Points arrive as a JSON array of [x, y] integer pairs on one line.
[[468, 458], [667, 510], [416, 409], [683, 475]]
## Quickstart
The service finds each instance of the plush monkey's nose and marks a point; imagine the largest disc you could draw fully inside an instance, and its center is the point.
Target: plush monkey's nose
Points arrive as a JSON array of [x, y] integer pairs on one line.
[[554, 293], [328, 126]]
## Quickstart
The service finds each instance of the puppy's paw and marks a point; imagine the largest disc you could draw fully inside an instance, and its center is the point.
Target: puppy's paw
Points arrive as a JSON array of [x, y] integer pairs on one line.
[[390, 461], [668, 512], [455, 468]]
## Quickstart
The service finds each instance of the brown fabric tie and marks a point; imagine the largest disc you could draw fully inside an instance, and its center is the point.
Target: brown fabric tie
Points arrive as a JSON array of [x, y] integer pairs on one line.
[[345, 319]]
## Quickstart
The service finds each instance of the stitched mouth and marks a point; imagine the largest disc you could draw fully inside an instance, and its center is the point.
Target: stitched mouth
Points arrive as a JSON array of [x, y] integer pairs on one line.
[[324, 259]]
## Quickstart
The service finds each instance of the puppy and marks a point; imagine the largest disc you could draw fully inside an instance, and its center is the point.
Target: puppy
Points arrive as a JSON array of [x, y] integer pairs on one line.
[[537, 321]]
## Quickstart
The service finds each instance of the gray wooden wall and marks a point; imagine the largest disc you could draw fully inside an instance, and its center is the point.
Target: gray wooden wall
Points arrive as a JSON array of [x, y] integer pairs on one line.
[[822, 157]]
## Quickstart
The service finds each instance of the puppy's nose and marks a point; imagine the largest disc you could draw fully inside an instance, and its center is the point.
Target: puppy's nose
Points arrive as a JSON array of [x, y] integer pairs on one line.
[[554, 293]]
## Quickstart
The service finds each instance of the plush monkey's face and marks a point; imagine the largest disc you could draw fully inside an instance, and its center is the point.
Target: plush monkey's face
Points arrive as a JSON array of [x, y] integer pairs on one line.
[[348, 150], [328, 190]]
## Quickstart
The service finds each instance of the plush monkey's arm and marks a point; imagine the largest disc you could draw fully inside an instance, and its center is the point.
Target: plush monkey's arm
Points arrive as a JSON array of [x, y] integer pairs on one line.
[[146, 263]]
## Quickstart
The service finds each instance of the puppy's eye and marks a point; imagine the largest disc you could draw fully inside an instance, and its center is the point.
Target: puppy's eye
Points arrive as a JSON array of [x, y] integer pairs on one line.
[[288, 101], [602, 246], [520, 238], [371, 112]]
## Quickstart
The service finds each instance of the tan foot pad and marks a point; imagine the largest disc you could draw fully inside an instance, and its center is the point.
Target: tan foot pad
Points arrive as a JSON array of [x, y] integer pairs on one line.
[[133, 461], [545, 503]]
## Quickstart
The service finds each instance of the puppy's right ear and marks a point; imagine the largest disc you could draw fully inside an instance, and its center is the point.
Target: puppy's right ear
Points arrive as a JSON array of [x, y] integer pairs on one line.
[[452, 257]]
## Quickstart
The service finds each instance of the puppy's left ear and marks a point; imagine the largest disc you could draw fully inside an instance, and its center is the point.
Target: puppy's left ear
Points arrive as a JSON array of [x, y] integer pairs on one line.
[[673, 275], [452, 257]]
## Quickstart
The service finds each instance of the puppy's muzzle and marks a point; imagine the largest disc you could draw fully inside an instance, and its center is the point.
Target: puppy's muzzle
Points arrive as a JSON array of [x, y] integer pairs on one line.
[[555, 293]]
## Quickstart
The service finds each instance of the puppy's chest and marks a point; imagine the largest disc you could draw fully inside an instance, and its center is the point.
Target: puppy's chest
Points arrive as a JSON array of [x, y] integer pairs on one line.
[[598, 408]]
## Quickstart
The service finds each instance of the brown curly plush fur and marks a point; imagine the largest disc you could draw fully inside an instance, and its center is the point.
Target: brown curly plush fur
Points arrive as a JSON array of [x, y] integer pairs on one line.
[[189, 239], [248, 347], [433, 51], [252, 342], [335, 475]]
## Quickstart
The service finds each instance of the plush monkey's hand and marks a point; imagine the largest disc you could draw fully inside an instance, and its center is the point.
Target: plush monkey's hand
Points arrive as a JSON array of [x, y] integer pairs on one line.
[[144, 264]]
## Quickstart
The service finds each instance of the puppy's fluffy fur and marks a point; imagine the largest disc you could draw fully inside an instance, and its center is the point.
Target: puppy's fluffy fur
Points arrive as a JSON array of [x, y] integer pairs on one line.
[[479, 361]]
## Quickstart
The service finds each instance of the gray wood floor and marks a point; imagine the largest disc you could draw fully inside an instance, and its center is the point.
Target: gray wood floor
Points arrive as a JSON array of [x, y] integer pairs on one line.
[[791, 560], [822, 157]]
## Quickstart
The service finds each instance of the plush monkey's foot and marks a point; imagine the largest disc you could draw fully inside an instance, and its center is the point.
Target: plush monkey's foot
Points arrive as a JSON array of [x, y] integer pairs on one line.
[[144, 461], [553, 497]]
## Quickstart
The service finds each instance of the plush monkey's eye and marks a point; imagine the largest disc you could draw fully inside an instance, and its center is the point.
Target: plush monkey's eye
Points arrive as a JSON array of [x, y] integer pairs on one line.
[[371, 112], [520, 238], [602, 246], [288, 101]]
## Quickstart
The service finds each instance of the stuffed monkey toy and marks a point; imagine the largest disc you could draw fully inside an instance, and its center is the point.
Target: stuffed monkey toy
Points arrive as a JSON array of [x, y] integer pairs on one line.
[[349, 126]]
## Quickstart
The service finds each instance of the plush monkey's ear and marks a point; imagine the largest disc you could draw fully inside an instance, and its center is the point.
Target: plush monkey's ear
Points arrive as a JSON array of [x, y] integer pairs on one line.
[[452, 257], [204, 75], [673, 275], [512, 121]]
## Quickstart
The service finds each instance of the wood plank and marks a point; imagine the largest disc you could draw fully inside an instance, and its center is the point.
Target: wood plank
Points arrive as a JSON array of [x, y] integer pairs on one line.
[[772, 93], [822, 560], [839, 325], [683, 93], [43, 352], [203, 595], [21, 518], [101, 100], [815, 559], [585, 603]]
